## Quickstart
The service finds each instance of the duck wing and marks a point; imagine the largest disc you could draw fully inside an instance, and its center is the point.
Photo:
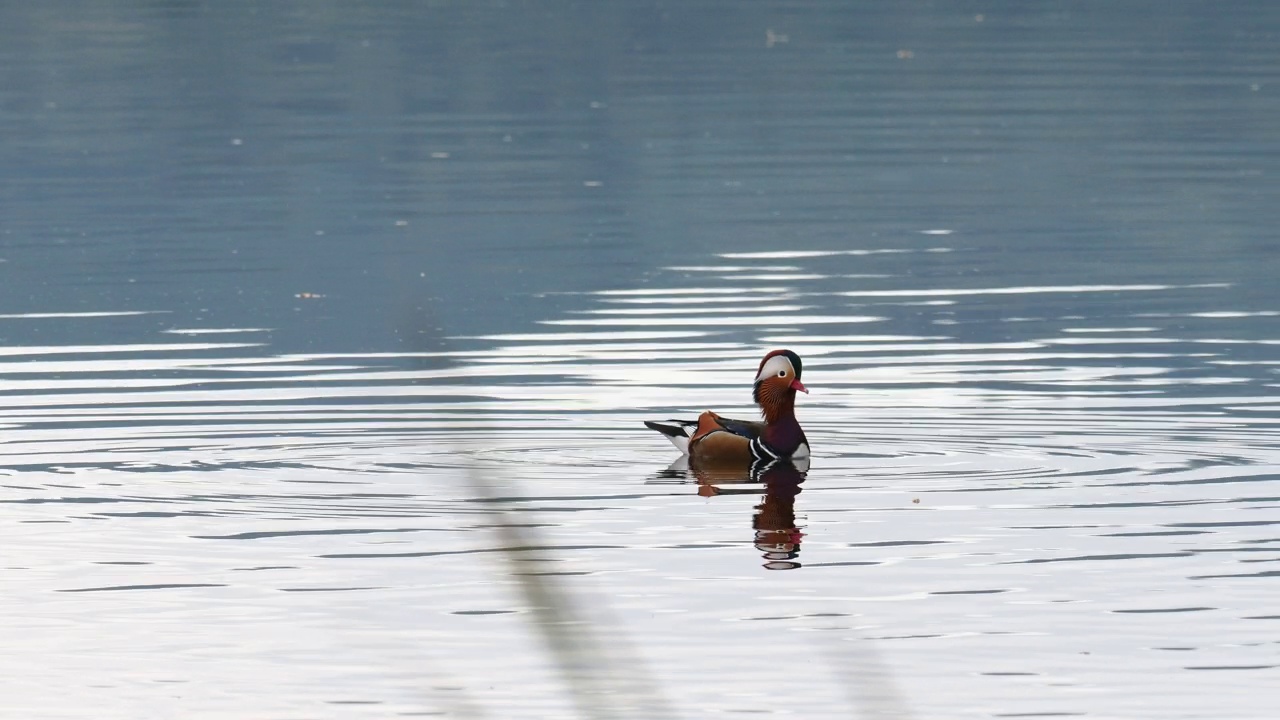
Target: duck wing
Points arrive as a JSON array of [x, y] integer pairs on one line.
[[748, 429]]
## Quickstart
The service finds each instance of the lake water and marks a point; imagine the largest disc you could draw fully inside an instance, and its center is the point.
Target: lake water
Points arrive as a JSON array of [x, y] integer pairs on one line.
[[327, 332]]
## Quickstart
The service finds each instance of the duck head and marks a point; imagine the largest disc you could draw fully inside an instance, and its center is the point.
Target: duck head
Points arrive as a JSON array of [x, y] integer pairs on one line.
[[776, 384]]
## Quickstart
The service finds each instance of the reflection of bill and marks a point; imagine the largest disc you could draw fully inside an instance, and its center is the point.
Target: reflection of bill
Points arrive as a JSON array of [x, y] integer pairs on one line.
[[776, 533]]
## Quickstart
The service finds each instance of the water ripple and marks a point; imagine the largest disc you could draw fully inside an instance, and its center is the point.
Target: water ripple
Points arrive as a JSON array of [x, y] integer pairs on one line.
[[992, 493]]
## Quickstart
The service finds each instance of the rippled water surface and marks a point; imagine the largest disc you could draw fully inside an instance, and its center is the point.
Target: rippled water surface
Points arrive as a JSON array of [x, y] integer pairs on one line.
[[327, 336]]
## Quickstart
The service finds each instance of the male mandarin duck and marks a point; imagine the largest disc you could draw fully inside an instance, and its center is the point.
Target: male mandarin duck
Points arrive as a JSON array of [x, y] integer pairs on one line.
[[718, 439]]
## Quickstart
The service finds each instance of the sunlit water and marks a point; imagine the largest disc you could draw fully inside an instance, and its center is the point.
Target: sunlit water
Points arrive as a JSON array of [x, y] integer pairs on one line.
[[1078, 519], [326, 335]]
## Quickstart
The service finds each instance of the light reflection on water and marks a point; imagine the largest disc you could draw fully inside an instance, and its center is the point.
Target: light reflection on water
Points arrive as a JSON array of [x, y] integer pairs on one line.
[[1074, 504], [327, 331]]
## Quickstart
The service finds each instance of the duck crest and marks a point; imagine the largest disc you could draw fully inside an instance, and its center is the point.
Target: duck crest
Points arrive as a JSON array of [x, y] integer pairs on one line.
[[793, 358]]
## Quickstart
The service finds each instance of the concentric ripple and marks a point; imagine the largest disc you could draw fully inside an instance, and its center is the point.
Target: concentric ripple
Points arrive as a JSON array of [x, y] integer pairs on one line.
[[992, 480]]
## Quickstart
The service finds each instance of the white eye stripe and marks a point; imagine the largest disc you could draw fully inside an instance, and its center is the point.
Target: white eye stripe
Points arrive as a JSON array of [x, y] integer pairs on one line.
[[777, 365]]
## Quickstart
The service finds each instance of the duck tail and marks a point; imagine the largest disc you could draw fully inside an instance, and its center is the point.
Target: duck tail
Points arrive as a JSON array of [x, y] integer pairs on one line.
[[673, 430]]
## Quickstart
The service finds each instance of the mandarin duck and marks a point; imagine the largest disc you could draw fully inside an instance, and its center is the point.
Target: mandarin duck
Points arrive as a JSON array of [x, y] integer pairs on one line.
[[716, 439]]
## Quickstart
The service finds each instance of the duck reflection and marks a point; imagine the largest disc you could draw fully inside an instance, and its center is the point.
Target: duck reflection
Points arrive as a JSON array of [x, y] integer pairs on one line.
[[776, 535]]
